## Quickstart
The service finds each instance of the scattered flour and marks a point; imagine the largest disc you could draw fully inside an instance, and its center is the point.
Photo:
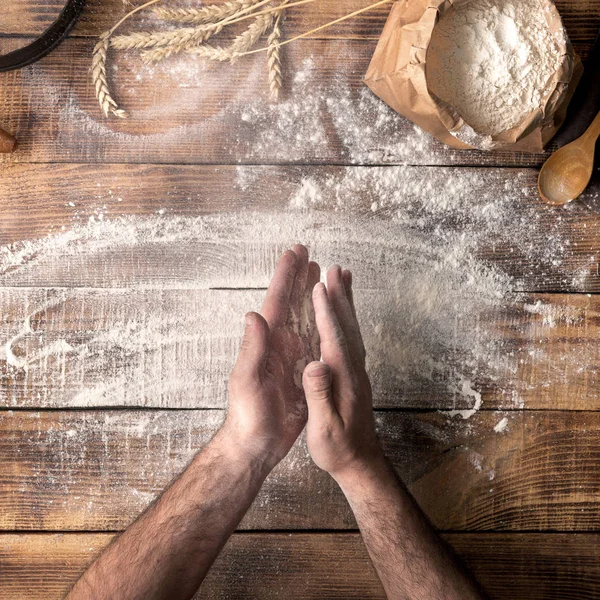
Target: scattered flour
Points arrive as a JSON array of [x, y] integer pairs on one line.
[[412, 236], [501, 425], [552, 314], [494, 61], [416, 238]]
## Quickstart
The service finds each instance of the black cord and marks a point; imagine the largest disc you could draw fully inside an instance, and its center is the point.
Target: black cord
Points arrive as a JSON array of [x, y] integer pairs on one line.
[[53, 36]]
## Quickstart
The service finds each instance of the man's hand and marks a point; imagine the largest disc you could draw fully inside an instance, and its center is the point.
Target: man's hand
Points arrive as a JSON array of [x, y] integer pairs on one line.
[[412, 562], [340, 431], [267, 409], [167, 552]]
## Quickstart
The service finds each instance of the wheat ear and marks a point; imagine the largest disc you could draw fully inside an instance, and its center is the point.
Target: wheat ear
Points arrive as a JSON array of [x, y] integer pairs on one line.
[[274, 58], [217, 53], [255, 31], [107, 102], [240, 44], [177, 38], [206, 14]]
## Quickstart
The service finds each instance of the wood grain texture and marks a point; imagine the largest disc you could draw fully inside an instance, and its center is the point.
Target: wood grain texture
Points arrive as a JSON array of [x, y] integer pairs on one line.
[[581, 18], [320, 566], [539, 247], [97, 470], [175, 349], [192, 112]]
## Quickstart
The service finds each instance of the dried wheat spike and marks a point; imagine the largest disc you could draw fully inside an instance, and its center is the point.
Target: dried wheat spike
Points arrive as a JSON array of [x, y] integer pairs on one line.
[[212, 52], [177, 39], [105, 99], [163, 51], [240, 44], [255, 31], [274, 62], [205, 14]]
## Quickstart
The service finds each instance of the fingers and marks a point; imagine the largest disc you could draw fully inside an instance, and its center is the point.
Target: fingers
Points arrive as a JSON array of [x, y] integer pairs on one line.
[[334, 349], [338, 288], [347, 279], [255, 345], [317, 382], [314, 276], [276, 306], [297, 296]]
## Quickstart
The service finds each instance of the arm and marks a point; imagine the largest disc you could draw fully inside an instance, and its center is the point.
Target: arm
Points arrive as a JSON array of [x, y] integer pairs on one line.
[[411, 560], [168, 551]]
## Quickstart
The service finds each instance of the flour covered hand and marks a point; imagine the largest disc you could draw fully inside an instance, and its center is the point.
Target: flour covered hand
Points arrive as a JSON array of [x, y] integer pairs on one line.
[[267, 409]]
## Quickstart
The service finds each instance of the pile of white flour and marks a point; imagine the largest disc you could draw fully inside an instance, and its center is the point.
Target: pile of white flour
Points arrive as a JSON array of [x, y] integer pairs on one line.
[[494, 61]]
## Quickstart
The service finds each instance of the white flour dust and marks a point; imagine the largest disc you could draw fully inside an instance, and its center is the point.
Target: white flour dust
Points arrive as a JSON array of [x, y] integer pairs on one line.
[[312, 119], [494, 61], [154, 333]]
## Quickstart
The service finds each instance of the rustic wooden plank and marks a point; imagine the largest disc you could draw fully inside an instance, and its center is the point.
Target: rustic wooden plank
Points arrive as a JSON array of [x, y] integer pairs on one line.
[[324, 565], [175, 348], [235, 220], [188, 111], [581, 18], [97, 470]]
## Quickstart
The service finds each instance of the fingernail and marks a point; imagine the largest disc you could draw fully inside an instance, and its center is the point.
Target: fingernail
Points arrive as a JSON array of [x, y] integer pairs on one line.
[[319, 288]]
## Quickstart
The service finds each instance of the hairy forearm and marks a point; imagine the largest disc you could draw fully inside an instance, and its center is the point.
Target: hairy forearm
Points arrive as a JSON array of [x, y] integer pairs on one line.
[[411, 560], [167, 552]]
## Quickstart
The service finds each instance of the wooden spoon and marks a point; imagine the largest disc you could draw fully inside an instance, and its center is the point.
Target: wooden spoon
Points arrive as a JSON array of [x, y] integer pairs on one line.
[[568, 171]]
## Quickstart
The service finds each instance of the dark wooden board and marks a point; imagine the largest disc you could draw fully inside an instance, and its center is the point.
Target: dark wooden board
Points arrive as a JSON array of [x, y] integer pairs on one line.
[[320, 566], [175, 349], [580, 17], [192, 112], [541, 248], [97, 470]]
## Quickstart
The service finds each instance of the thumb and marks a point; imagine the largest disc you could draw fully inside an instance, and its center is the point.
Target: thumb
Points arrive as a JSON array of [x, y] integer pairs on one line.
[[316, 381], [255, 344]]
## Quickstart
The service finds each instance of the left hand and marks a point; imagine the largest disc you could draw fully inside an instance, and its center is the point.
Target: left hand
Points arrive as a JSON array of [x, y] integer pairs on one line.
[[267, 408]]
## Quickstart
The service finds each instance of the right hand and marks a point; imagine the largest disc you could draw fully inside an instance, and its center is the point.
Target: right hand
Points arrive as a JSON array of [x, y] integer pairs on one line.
[[267, 410], [340, 432]]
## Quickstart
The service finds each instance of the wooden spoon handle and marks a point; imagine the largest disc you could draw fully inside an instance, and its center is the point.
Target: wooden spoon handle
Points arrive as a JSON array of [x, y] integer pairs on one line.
[[592, 133], [7, 141]]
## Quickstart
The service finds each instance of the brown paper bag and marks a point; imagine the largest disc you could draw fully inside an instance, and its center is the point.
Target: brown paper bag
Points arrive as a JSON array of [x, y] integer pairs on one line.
[[397, 74]]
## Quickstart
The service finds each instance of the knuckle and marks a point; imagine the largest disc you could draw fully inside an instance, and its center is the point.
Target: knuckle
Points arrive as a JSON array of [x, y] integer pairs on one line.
[[320, 386]]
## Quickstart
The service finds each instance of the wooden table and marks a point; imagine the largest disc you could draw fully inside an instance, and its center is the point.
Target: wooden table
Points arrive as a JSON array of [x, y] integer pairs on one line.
[[76, 471]]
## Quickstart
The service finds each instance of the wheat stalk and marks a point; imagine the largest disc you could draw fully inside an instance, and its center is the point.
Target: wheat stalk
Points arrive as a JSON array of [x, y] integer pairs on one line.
[[274, 62], [192, 39], [206, 14], [107, 103], [320, 27], [274, 58], [255, 31], [240, 44], [217, 53], [177, 38]]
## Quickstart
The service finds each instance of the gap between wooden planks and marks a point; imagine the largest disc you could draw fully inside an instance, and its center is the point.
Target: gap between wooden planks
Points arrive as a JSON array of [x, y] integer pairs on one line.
[[97, 470], [320, 566]]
